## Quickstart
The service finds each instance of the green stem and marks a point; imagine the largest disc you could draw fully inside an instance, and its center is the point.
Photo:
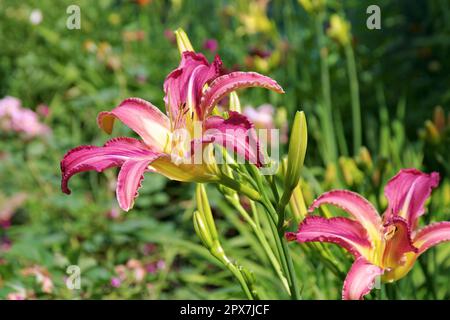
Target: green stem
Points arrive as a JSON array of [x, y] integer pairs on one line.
[[283, 250], [278, 234], [240, 187], [354, 94], [264, 243], [217, 252]]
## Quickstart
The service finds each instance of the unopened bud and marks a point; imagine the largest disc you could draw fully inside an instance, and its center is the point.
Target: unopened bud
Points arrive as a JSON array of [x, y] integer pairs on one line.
[[183, 41], [235, 104], [201, 230], [204, 209], [297, 150]]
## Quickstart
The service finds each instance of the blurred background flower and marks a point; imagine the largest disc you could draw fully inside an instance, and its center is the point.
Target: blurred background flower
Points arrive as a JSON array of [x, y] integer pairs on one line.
[[54, 81]]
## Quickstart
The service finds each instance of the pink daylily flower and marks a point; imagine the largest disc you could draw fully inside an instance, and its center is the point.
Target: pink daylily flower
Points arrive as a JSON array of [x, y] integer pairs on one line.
[[384, 246], [191, 93]]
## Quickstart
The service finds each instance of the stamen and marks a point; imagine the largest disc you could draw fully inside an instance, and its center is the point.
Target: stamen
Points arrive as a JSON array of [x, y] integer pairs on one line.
[[390, 232]]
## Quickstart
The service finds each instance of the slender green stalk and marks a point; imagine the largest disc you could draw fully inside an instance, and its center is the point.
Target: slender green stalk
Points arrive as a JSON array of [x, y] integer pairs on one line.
[[240, 188], [326, 91], [264, 243], [237, 274], [354, 95], [278, 234], [284, 251]]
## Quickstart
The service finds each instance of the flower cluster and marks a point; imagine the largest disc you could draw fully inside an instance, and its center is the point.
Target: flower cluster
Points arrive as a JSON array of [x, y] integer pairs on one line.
[[15, 118]]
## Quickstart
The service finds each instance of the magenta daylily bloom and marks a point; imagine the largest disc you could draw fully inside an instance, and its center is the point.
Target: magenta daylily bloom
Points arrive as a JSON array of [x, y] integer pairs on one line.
[[191, 93], [384, 246]]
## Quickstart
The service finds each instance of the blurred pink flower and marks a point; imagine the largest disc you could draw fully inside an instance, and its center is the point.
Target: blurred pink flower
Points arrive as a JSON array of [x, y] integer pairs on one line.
[[5, 244], [267, 117], [154, 267], [43, 110], [161, 264], [13, 117], [151, 268], [135, 35], [116, 282], [149, 248], [138, 269], [262, 117], [42, 277], [211, 45], [9, 207], [114, 213], [16, 296], [170, 35], [141, 78], [121, 271]]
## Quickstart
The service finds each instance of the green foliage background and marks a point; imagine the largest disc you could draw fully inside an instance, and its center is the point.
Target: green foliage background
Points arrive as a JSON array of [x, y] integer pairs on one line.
[[403, 72]]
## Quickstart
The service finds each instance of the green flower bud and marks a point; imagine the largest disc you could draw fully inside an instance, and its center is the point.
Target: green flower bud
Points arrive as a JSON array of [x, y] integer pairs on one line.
[[432, 132], [183, 41], [339, 30], [235, 104], [205, 210], [202, 230], [297, 150]]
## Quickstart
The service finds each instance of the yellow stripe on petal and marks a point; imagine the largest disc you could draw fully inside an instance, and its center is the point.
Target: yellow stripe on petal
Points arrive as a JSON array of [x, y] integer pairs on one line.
[[183, 172]]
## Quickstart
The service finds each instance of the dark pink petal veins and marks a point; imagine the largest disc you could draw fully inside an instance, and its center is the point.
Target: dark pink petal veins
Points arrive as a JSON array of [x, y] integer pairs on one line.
[[432, 235], [358, 207], [345, 232], [141, 116], [397, 234], [237, 134], [113, 154], [225, 84], [129, 180], [360, 279], [184, 85], [407, 192]]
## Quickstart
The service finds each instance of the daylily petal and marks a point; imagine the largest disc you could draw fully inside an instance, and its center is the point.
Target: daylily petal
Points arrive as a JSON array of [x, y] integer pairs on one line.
[[183, 172], [113, 154], [407, 192], [129, 180], [345, 232], [145, 119], [184, 85], [237, 134], [398, 243], [360, 279], [356, 206], [432, 235], [225, 84]]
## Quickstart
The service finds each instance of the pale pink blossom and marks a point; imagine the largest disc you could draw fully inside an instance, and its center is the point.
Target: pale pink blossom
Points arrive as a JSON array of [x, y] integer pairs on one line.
[[13, 117], [42, 277]]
